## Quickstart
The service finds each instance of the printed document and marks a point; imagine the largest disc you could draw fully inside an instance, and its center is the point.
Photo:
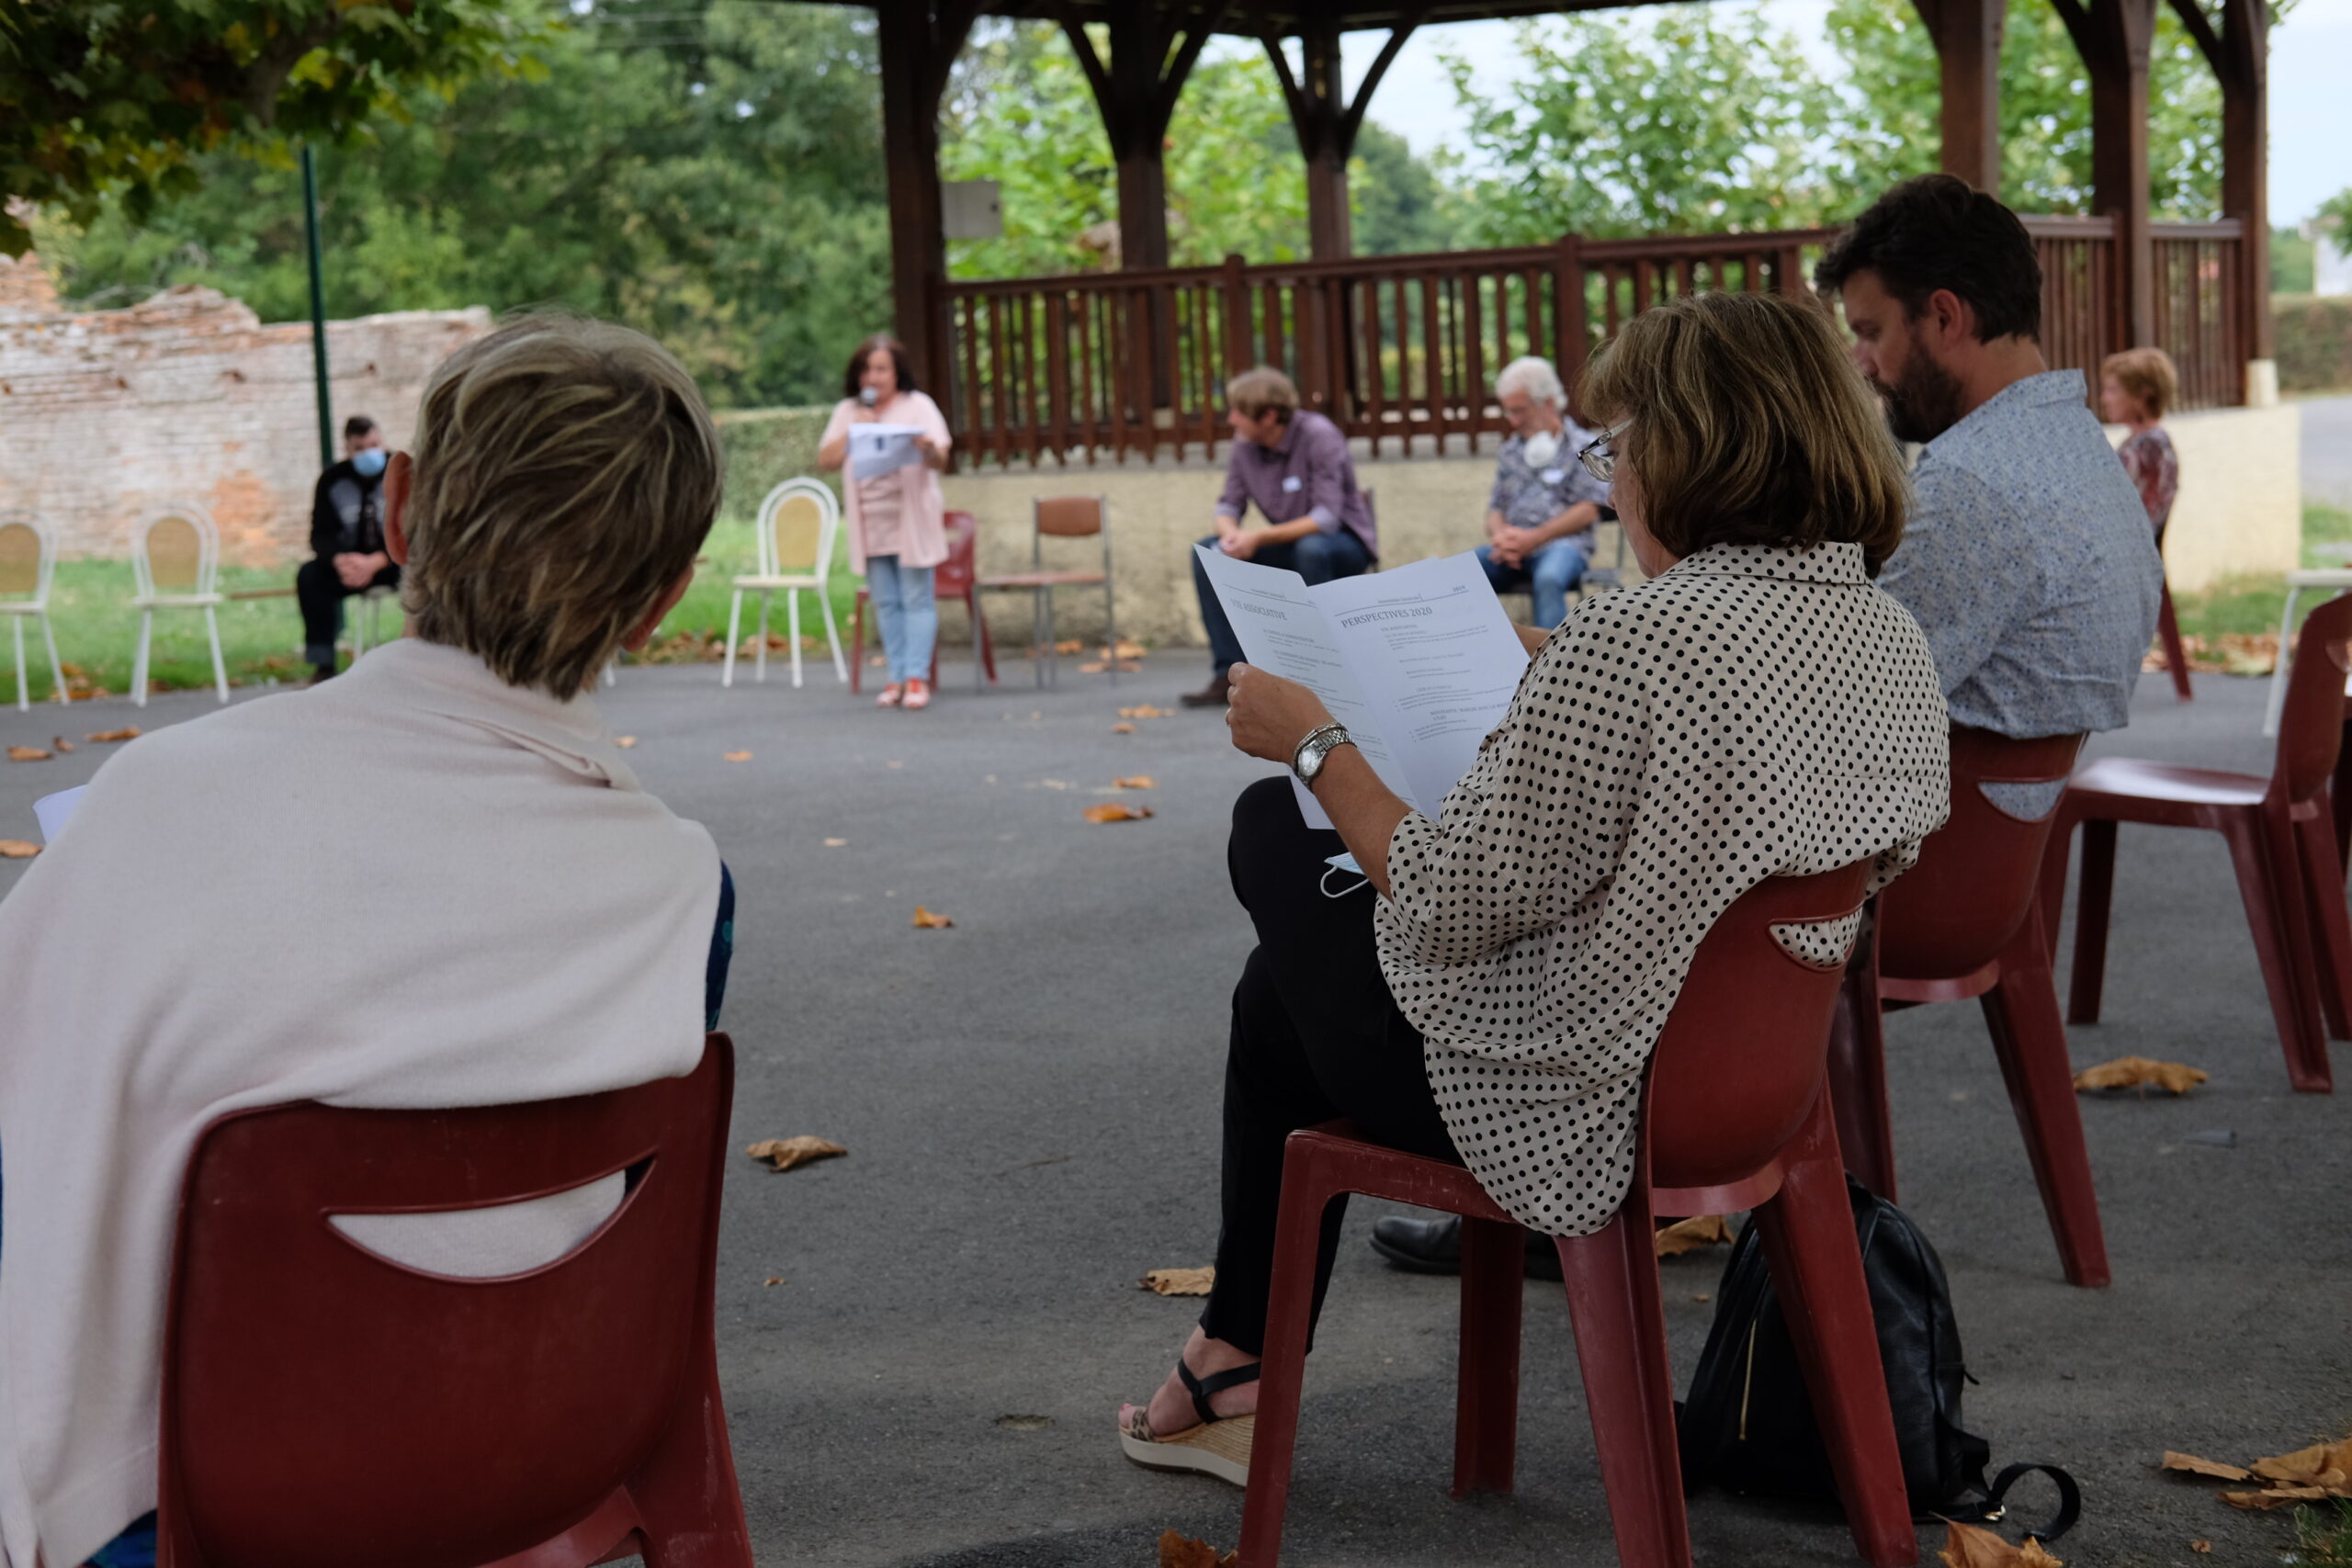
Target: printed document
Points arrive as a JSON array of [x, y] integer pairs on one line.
[[1420, 663], [879, 449]]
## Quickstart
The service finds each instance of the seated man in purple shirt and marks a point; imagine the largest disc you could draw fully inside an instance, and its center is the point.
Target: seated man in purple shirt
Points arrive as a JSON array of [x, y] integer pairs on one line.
[[1294, 465]]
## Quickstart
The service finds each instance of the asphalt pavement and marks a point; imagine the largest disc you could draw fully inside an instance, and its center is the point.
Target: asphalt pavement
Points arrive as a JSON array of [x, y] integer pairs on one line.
[[1029, 1100]]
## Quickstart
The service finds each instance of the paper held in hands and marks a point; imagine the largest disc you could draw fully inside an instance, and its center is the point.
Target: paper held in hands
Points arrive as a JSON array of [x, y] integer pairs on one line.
[[879, 449], [1420, 663]]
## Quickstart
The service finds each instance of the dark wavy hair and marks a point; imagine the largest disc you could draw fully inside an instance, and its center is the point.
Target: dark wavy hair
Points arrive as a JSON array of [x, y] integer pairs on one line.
[[1939, 231], [865, 350]]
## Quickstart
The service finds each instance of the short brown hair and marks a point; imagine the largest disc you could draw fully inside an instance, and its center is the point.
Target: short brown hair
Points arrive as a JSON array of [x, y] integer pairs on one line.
[[1938, 232], [2146, 374], [1262, 389], [880, 342], [566, 473], [1747, 425]]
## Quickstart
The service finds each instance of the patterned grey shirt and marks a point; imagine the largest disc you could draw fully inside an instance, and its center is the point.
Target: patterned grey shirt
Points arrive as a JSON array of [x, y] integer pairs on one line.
[[2027, 563], [1529, 497]]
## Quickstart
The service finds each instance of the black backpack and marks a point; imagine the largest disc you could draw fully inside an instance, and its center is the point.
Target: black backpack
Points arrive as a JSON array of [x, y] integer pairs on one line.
[[1748, 1424]]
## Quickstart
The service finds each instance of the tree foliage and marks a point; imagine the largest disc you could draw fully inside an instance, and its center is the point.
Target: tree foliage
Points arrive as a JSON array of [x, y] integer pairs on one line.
[[98, 96]]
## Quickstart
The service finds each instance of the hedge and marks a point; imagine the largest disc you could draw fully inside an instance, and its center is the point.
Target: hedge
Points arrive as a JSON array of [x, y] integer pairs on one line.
[[2314, 342], [764, 447]]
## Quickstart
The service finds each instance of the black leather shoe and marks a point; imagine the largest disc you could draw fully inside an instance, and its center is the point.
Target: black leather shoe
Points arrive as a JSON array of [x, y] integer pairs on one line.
[[1434, 1246], [1212, 696]]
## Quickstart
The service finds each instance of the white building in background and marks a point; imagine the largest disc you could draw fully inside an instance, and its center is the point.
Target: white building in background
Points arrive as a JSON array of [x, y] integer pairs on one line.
[[2331, 266]]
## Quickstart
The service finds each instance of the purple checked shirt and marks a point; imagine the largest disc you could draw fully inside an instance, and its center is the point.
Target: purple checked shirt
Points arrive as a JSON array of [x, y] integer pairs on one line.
[[1307, 474]]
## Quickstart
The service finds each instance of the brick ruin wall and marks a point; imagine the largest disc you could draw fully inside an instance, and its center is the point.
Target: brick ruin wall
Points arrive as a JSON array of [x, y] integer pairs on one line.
[[106, 414]]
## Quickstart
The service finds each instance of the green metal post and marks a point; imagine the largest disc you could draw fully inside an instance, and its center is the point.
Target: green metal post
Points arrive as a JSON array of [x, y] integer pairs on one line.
[[318, 307]]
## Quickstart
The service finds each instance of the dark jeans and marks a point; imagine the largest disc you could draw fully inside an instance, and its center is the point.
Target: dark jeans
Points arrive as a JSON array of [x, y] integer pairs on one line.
[[321, 593], [1318, 558], [1316, 1035]]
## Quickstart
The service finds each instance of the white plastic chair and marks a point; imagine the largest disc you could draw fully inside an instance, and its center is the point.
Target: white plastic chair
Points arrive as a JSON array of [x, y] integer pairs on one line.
[[28, 561], [798, 522], [175, 561], [2330, 580]]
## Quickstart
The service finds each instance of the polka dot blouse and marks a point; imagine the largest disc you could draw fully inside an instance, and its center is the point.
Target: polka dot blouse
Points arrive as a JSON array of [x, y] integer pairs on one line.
[[1753, 712]]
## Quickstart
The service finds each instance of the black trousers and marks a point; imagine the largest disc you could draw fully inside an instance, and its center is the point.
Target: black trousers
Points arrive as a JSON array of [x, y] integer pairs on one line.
[[1316, 1035], [320, 593]]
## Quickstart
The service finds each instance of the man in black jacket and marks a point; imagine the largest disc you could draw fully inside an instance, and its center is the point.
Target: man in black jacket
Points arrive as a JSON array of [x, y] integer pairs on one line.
[[347, 538]]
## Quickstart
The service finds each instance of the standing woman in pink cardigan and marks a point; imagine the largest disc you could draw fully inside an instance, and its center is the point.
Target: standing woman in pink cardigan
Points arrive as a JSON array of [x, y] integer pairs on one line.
[[897, 530]]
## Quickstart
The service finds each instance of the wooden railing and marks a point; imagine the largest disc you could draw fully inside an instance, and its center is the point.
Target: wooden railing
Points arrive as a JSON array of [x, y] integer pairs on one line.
[[1400, 348]]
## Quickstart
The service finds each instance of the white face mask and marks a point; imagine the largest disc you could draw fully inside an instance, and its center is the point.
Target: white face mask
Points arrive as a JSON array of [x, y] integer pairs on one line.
[[1540, 449]]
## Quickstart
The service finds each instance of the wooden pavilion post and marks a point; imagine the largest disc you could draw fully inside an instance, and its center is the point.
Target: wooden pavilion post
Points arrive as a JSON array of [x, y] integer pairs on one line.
[[1152, 53], [2115, 39], [919, 40], [2240, 56], [1967, 35], [1327, 122]]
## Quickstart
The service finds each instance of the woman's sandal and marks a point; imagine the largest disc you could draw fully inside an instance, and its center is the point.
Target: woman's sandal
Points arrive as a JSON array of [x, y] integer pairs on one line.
[[892, 694], [1219, 1446]]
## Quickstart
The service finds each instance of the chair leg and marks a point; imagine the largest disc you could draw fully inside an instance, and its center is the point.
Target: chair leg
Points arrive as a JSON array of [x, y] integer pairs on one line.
[[1612, 1287], [2054, 856], [689, 1502], [56, 666], [2278, 699], [2264, 886], [2339, 794], [792, 630], [1486, 1415], [1052, 652], [833, 635], [857, 644], [24, 689], [759, 660], [1808, 1233], [139, 663], [1039, 646], [1110, 628], [219, 670], [2091, 907], [1858, 1082], [1290, 1308], [2175, 660], [2331, 929], [987, 642], [2030, 1042], [734, 630]]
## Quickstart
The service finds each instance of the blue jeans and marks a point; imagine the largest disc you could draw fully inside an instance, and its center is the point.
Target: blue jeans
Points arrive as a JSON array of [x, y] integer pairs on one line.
[[1549, 573], [907, 613], [1318, 558]]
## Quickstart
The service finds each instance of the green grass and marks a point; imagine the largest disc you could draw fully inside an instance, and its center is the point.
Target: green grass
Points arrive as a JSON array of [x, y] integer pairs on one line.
[[260, 639], [2323, 1536]]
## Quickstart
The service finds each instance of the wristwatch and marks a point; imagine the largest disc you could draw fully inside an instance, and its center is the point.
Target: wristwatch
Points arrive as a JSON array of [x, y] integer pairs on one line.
[[1320, 742]]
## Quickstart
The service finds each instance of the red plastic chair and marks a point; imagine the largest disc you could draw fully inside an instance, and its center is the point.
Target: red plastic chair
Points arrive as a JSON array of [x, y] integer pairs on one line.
[[956, 578], [1735, 1116], [325, 1407], [2175, 656], [1966, 922], [2281, 835]]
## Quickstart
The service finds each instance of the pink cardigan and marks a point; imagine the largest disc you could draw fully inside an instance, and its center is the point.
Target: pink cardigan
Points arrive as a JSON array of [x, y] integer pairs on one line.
[[923, 518]]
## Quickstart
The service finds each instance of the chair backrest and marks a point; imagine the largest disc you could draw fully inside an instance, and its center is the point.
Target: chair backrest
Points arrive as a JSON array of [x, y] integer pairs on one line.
[[1071, 517], [1740, 1062], [176, 549], [28, 557], [2311, 724], [323, 1404], [956, 574], [797, 524], [1978, 874]]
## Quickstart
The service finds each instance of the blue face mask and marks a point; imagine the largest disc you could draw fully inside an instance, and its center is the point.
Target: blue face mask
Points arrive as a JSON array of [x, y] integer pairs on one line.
[[370, 460]]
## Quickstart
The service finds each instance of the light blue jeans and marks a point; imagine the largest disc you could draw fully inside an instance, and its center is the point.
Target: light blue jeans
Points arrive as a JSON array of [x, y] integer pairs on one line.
[[907, 613], [1548, 575]]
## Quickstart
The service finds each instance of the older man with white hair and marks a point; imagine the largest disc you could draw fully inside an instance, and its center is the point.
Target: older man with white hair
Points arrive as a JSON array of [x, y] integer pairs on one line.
[[1540, 511]]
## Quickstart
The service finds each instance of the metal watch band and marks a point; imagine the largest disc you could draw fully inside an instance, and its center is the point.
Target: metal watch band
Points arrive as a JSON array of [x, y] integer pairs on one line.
[[1321, 740]]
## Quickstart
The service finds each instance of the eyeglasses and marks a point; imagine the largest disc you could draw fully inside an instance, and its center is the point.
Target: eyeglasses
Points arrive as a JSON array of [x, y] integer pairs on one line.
[[1599, 457]]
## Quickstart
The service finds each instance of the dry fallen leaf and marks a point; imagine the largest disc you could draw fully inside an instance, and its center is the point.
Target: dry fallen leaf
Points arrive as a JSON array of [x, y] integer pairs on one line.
[[1138, 780], [16, 849], [129, 732], [1128, 649], [1123, 727], [2173, 1077], [927, 922], [1074, 645], [1098, 666], [1971, 1546], [60, 745], [1184, 1551], [2276, 1497], [2196, 1466], [2308, 1467], [26, 754], [1145, 710], [1017, 1423], [1180, 1281], [739, 756], [2202, 1547], [1688, 1236], [624, 741], [772, 1281], [835, 843], [1111, 811], [786, 1153]]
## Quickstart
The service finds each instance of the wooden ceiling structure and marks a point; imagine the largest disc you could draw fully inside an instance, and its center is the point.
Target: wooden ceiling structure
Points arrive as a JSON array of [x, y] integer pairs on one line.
[[1152, 46]]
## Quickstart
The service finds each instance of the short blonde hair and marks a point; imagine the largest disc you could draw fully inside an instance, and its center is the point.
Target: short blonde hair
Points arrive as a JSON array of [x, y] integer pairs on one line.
[[2146, 374], [1262, 389], [1747, 425], [566, 473]]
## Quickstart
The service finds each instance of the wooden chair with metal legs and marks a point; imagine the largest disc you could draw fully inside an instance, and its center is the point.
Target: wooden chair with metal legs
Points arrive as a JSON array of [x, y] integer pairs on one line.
[[28, 564], [176, 564], [1063, 517]]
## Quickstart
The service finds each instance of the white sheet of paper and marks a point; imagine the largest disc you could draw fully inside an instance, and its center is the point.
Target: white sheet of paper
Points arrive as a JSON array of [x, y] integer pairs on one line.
[[51, 811], [879, 449]]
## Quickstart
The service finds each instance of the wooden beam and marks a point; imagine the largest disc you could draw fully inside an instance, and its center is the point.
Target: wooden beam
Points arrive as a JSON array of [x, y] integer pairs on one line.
[[1153, 50], [2115, 39], [1326, 122], [2245, 162], [919, 40], [1967, 35]]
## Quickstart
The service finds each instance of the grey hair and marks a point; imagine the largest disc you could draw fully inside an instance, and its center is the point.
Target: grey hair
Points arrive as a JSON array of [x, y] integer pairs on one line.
[[1535, 377]]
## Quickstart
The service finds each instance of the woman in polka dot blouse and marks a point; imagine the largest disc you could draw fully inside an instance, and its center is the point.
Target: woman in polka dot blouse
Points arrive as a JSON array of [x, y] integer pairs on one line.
[[1755, 708]]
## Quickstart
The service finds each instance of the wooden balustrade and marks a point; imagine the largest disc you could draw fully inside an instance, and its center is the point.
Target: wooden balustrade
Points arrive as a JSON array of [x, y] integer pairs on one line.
[[1399, 348]]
